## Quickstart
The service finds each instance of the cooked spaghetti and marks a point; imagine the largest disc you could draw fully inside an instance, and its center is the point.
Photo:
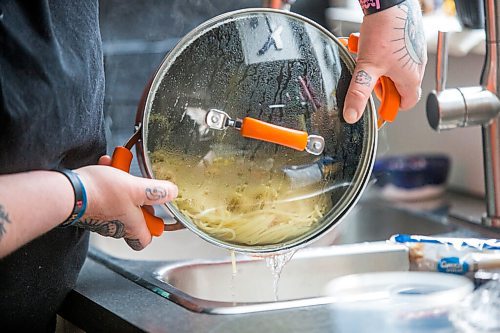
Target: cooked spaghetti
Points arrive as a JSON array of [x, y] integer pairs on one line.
[[241, 202]]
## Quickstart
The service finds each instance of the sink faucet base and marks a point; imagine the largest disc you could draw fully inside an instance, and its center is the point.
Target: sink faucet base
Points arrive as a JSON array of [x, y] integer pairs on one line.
[[491, 221], [480, 105]]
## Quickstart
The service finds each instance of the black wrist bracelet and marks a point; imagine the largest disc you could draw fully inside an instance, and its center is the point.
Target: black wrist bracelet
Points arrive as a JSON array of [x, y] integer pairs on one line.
[[80, 197], [375, 6]]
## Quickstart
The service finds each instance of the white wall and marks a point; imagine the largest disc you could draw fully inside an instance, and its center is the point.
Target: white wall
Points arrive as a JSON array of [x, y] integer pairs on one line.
[[410, 133]]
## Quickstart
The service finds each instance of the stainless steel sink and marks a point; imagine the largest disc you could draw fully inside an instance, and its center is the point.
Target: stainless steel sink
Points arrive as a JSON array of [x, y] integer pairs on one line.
[[207, 285], [211, 287]]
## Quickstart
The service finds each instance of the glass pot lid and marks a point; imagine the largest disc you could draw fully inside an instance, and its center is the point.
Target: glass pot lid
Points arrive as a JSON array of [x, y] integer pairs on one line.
[[245, 116]]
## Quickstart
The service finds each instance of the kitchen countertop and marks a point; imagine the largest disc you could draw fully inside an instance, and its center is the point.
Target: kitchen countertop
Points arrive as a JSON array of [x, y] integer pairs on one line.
[[104, 300]]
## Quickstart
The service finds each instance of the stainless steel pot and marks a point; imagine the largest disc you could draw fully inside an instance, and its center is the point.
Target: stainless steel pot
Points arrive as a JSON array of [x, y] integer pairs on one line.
[[245, 116]]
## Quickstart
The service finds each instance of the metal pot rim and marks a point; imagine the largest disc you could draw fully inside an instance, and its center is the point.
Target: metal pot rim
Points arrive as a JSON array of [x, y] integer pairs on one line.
[[351, 197]]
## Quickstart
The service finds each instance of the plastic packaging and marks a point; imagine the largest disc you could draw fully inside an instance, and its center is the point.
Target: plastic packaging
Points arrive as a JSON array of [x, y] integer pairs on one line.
[[463, 256]]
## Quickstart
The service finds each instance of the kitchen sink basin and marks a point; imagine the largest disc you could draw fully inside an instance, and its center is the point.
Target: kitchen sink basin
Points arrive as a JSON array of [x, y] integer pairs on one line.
[[359, 246], [203, 281], [212, 286], [190, 272]]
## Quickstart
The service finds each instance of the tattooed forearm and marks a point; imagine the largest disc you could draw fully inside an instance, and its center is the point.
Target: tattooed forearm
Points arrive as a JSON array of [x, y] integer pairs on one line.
[[363, 78], [135, 244], [411, 45], [156, 193], [4, 219], [114, 228]]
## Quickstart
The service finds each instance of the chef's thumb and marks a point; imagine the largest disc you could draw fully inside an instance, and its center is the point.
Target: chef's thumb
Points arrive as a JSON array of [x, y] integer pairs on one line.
[[156, 192], [361, 86]]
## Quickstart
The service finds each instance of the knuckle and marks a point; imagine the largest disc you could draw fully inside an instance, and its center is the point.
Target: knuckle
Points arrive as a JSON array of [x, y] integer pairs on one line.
[[415, 80], [356, 93], [410, 83], [129, 190]]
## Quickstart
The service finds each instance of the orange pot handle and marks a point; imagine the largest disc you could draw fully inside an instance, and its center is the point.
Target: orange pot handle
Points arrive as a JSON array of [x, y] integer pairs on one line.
[[389, 98], [385, 90], [122, 158]]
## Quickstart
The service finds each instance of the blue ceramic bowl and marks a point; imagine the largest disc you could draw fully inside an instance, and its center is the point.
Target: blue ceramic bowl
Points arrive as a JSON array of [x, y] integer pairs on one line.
[[412, 171]]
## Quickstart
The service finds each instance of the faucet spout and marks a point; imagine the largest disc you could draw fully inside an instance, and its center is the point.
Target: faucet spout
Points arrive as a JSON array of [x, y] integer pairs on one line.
[[478, 105]]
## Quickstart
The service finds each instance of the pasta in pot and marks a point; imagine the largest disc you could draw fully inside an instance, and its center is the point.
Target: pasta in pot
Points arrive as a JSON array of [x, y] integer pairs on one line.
[[261, 209]]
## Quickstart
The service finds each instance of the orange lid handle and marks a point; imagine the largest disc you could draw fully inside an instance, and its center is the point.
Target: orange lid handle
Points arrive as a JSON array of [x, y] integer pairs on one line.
[[260, 130], [122, 158], [385, 90]]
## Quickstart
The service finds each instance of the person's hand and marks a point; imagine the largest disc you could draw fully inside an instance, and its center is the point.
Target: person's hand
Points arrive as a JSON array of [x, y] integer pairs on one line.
[[392, 43], [114, 199]]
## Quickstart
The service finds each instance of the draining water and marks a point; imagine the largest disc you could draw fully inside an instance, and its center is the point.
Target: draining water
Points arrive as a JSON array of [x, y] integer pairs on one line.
[[233, 276], [276, 263]]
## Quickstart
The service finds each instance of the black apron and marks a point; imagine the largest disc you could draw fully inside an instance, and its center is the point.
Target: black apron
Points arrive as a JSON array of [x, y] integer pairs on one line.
[[51, 101]]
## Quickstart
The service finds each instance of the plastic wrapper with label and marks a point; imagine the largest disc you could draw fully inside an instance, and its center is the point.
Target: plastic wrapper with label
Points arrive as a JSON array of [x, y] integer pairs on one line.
[[463, 256]]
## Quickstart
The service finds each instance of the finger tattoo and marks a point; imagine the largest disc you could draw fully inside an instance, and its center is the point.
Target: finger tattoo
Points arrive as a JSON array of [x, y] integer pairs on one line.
[[156, 193], [114, 228], [135, 244], [363, 78], [4, 219]]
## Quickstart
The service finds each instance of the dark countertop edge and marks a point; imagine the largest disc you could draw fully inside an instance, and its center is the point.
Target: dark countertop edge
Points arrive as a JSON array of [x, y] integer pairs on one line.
[[88, 308]]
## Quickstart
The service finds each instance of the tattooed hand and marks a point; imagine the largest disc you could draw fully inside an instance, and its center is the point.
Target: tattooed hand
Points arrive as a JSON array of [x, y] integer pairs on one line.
[[114, 199], [392, 43]]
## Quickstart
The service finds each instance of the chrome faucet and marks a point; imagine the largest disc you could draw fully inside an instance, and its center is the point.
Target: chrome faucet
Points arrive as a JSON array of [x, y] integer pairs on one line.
[[477, 105]]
